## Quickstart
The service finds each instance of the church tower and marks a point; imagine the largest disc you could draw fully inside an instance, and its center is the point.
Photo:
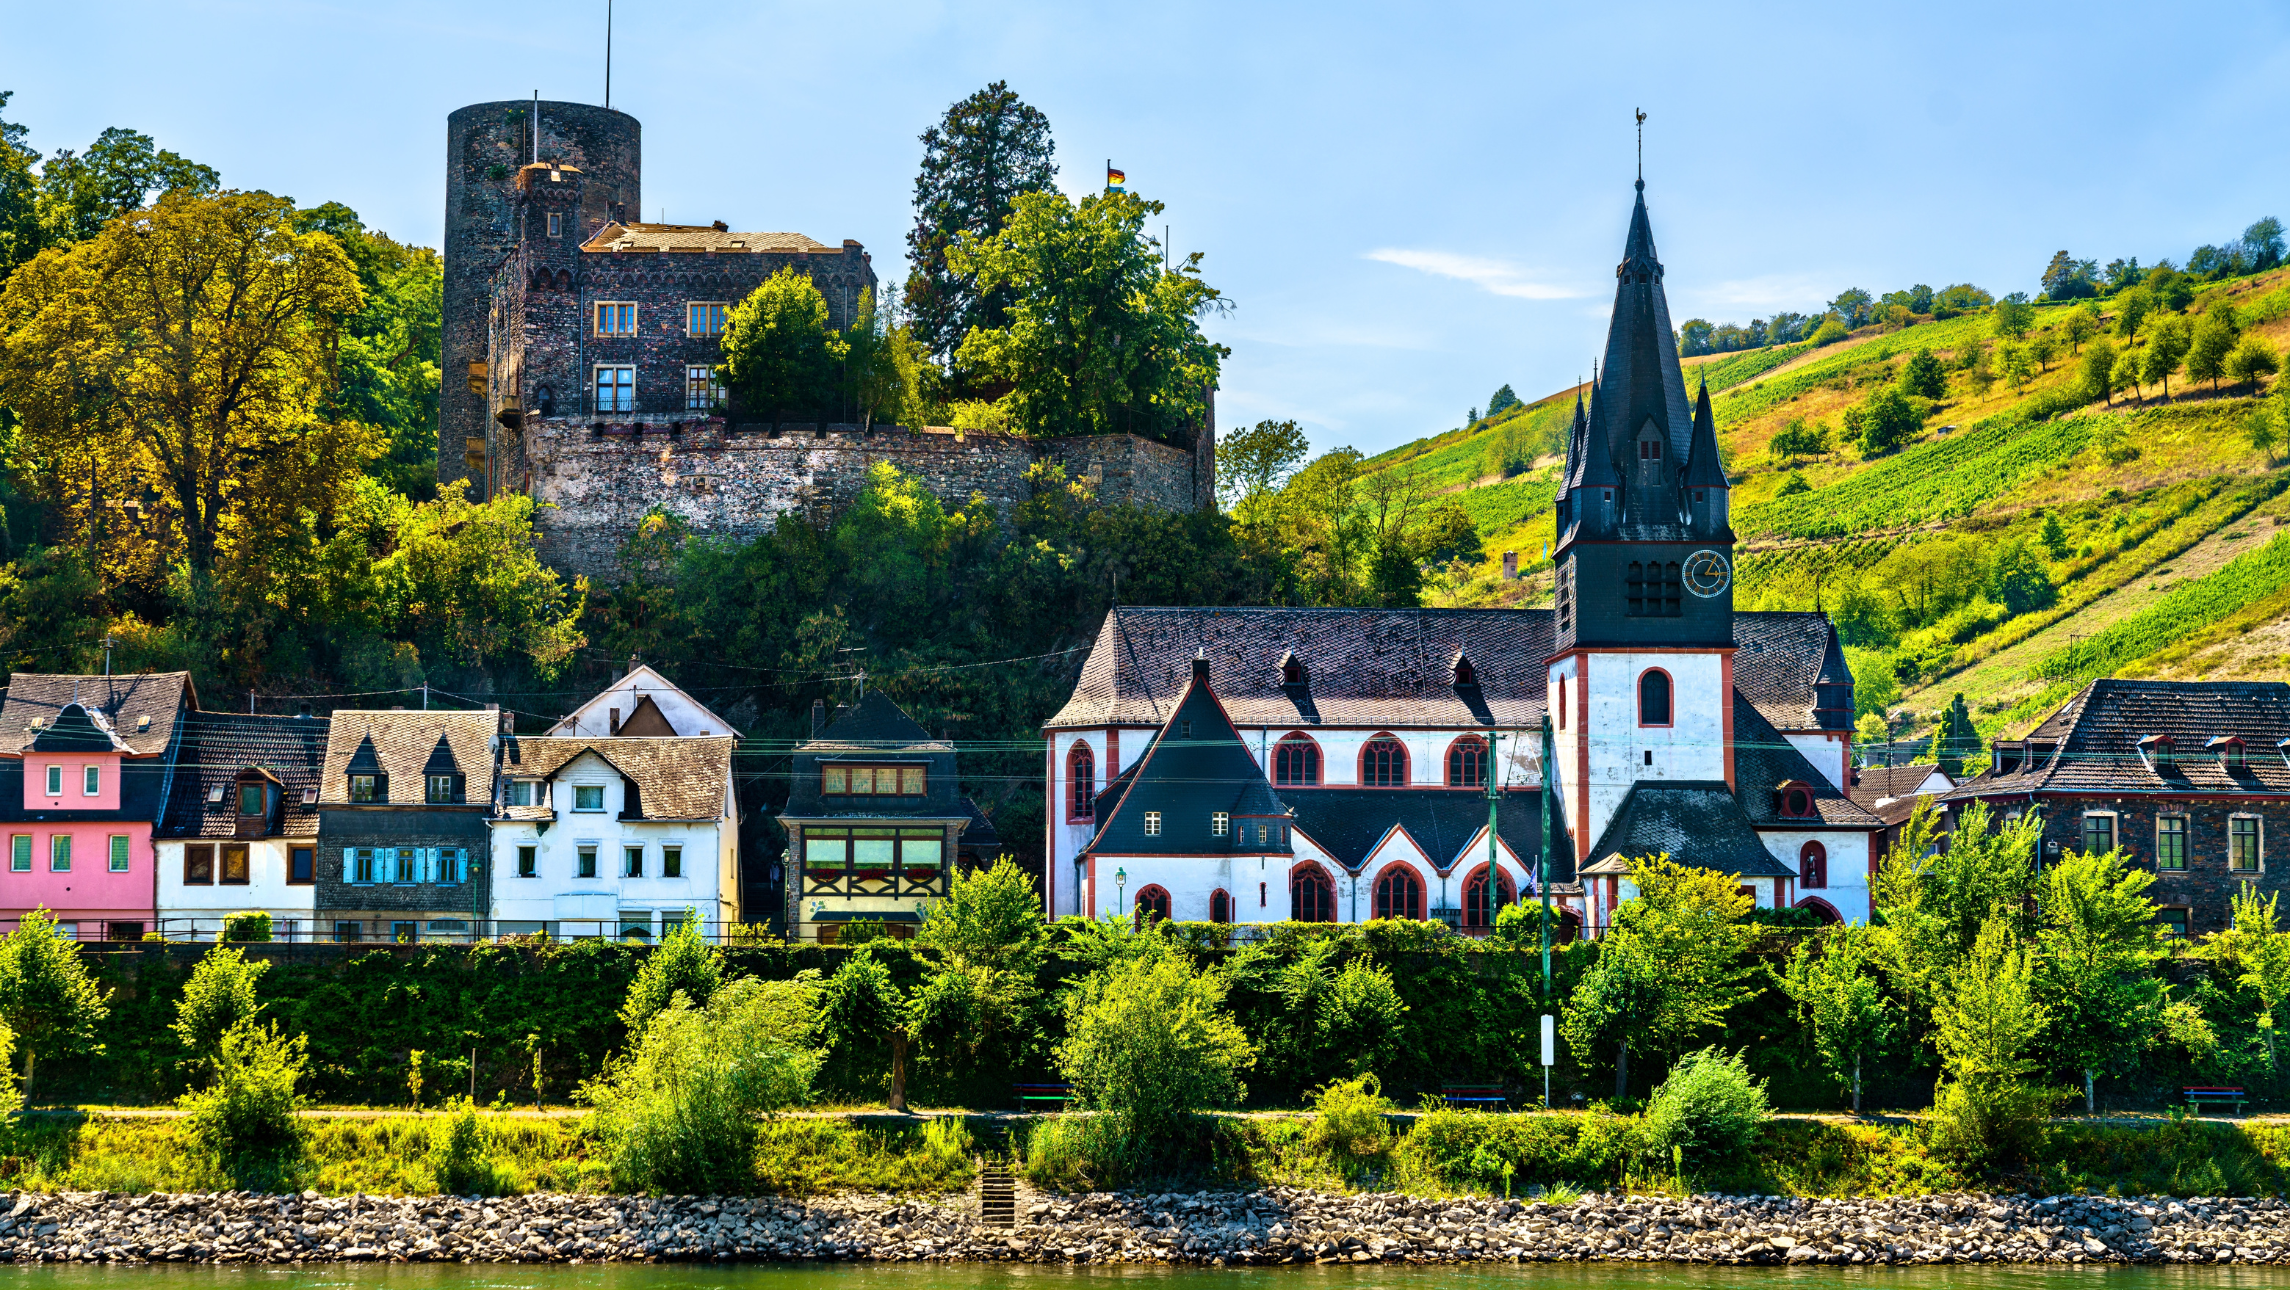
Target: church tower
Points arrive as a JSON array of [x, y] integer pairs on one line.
[[1641, 673]]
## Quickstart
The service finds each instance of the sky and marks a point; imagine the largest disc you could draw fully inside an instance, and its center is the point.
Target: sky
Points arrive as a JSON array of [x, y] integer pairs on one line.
[[1406, 208]]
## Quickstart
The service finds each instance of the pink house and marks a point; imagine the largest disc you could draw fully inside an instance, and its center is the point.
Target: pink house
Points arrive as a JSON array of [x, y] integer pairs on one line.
[[85, 767]]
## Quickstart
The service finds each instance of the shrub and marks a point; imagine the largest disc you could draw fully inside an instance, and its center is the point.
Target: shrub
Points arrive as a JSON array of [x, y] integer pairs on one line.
[[459, 1151], [1149, 1040], [1708, 1110], [219, 996], [248, 1113], [247, 925], [682, 962], [1792, 484], [1350, 1118], [1829, 333]]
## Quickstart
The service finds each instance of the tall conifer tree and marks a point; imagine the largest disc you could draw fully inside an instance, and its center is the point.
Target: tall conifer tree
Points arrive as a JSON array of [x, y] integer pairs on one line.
[[987, 151]]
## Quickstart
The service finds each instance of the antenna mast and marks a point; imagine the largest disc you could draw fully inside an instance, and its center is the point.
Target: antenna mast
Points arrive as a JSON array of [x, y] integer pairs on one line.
[[1641, 146], [608, 56]]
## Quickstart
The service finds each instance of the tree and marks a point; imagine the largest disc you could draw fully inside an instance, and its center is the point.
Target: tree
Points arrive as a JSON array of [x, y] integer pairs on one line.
[[1100, 338], [2254, 944], [989, 150], [887, 997], [779, 351], [1959, 298], [682, 963], [2018, 581], [19, 195], [2098, 943], [2127, 371], [1888, 420], [2053, 536], [1829, 332], [2169, 341], [2251, 359], [219, 996], [1252, 464], [387, 375], [2263, 242], [189, 348], [1852, 304], [82, 192], [1690, 922], [1502, 400], [2014, 316], [47, 999], [1148, 1041], [1798, 438], [1833, 983], [2080, 325], [1618, 996], [2214, 338], [2013, 363], [1936, 898], [2131, 310], [2043, 349], [1694, 337], [1924, 376], [2260, 432], [1956, 740], [2067, 278], [1986, 1022]]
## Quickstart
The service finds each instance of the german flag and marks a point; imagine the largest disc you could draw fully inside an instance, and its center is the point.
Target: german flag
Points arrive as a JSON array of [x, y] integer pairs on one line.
[[1115, 180]]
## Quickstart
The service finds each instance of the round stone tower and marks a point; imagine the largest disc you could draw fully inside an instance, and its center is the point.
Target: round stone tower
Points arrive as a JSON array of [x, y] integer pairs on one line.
[[485, 143]]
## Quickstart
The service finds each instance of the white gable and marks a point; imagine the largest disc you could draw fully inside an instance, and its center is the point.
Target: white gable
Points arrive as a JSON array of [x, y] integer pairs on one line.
[[685, 714]]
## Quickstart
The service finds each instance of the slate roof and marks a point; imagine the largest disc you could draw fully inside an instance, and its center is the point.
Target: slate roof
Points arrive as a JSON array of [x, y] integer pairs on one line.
[[875, 724], [1762, 760], [218, 745], [1695, 823], [697, 237], [2091, 744], [78, 730], [1889, 792], [980, 831], [645, 681], [1781, 657], [403, 742], [123, 701], [1195, 766], [1348, 823], [677, 777]]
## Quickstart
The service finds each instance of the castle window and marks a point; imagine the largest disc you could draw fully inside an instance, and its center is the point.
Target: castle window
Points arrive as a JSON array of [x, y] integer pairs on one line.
[[1152, 905], [1296, 762], [1399, 894], [1794, 800], [1311, 896], [701, 388], [615, 318], [1383, 763], [1649, 450], [704, 318], [1654, 589], [556, 224], [1654, 697], [616, 389], [1475, 911], [1467, 763]]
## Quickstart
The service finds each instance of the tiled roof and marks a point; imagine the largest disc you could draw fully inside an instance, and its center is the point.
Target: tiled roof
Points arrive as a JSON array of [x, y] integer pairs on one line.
[[1694, 823], [696, 237], [980, 831], [1349, 822], [218, 745], [1762, 760], [2091, 744], [140, 709], [875, 724], [78, 730], [1388, 668], [1889, 792], [404, 742], [1195, 766], [683, 777]]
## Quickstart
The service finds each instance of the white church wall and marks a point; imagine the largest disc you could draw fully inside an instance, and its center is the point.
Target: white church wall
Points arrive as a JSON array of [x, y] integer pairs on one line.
[[1622, 752], [1847, 891], [1826, 750]]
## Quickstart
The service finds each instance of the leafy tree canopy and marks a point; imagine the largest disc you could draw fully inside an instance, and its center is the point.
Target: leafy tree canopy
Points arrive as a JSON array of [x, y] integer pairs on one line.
[[987, 151]]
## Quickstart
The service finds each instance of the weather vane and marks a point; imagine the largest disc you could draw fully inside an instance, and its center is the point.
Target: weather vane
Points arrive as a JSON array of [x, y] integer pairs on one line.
[[1641, 144]]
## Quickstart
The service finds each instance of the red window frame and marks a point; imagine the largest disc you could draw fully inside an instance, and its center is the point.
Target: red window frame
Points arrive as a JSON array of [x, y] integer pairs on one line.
[[1294, 747], [1152, 902], [1466, 756], [1474, 902], [1317, 907], [1081, 777], [1388, 764], [1399, 894], [1813, 865], [1669, 699], [1220, 906]]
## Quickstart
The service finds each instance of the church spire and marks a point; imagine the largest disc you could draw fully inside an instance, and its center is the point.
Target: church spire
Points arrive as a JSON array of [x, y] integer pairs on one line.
[[1703, 469], [1641, 390]]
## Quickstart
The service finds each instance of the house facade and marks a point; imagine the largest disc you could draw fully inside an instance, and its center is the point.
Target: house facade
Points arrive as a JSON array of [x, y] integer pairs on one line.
[[241, 827], [614, 837], [1891, 793], [403, 803], [875, 822], [2188, 778], [641, 703], [86, 764]]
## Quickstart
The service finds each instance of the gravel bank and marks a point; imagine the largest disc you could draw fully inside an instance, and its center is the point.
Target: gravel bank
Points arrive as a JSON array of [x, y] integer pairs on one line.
[[1277, 1225]]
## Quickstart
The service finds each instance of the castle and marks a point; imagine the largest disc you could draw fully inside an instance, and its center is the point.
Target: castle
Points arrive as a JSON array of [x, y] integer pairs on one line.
[[582, 346]]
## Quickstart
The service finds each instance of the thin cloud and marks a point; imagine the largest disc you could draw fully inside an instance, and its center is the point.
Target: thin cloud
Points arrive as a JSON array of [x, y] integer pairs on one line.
[[1496, 276]]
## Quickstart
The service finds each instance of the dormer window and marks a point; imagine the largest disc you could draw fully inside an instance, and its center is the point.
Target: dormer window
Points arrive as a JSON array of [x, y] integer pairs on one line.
[[1291, 670], [1649, 450], [2230, 753], [250, 799], [2162, 755], [1794, 799], [362, 788], [1464, 673]]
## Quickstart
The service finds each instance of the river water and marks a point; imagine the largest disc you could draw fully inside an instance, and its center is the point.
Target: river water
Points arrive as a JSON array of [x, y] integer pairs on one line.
[[988, 1276]]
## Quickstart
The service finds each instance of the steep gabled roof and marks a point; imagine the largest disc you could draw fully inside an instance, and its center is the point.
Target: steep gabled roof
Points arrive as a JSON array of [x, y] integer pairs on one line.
[[77, 730], [1195, 766], [634, 690], [2092, 743], [677, 777], [219, 746], [1780, 660], [1763, 760], [1694, 823], [1349, 823], [140, 709], [1703, 467], [401, 744], [875, 723], [1641, 379]]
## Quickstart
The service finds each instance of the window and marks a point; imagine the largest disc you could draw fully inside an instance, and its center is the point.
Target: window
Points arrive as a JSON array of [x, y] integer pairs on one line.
[[1152, 905], [198, 865], [2098, 834], [1311, 896], [449, 865], [1081, 781], [2231, 756], [359, 861], [1220, 906], [1220, 824], [2242, 844], [60, 853], [588, 797], [1292, 671], [1467, 763], [250, 799], [1649, 450], [20, 853], [671, 862], [233, 863], [520, 792], [1562, 703], [1794, 800], [405, 933], [362, 788], [440, 789], [92, 781], [556, 224], [1654, 697], [2174, 922], [701, 388], [345, 933], [897, 781], [636, 924], [301, 866], [1475, 912], [55, 781], [123, 931], [615, 318], [1654, 589], [586, 865], [528, 862], [1296, 762], [671, 919], [632, 862], [1399, 894], [1813, 865], [407, 865], [1152, 824], [2164, 756], [1383, 763], [702, 318], [615, 389]]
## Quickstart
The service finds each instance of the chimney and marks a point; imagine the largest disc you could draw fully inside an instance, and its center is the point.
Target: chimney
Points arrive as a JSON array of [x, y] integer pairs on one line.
[[1510, 566], [1201, 668], [615, 719], [818, 717], [305, 713]]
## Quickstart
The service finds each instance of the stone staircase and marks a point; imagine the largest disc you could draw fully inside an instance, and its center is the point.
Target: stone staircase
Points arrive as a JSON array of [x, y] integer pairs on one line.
[[997, 1188]]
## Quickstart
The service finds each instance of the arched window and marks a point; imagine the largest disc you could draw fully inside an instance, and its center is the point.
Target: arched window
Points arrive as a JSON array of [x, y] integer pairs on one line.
[[1220, 906], [1081, 774], [1399, 894], [1654, 697], [1821, 908], [1383, 763], [1813, 865], [1475, 896], [1152, 904], [1296, 762], [1467, 763], [1311, 896]]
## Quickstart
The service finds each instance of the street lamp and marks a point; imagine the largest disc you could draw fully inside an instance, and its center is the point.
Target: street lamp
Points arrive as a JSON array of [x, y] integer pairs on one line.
[[1120, 890]]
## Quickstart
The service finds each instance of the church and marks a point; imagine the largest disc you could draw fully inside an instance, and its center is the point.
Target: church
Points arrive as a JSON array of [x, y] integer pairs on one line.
[[1339, 765]]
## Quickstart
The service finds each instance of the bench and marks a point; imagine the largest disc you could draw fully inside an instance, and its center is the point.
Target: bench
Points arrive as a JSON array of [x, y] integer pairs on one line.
[[1045, 1094], [1488, 1096], [2214, 1095]]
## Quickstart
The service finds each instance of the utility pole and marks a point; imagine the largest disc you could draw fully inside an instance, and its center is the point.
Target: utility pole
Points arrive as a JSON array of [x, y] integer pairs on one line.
[[1543, 863], [1494, 800]]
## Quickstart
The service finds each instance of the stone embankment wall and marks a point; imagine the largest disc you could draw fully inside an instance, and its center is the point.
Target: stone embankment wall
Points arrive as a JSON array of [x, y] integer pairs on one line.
[[597, 480], [1277, 1225]]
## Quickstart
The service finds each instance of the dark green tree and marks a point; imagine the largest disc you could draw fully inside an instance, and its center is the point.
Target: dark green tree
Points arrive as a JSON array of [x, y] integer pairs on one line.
[[2054, 538], [2018, 581], [1887, 420], [120, 172], [1502, 399], [1924, 376], [987, 151], [2263, 241], [2067, 278], [2214, 338], [19, 195], [2014, 315], [779, 351], [1955, 740]]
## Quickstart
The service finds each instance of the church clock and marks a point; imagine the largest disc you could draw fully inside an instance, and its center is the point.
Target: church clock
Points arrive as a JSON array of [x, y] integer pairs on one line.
[[1706, 573]]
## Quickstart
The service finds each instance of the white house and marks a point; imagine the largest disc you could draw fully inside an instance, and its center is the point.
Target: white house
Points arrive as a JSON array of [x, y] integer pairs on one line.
[[615, 837], [641, 703], [241, 828]]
